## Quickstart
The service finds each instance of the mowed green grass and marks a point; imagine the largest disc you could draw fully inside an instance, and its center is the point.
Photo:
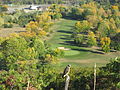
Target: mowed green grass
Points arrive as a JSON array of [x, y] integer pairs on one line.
[[76, 56]]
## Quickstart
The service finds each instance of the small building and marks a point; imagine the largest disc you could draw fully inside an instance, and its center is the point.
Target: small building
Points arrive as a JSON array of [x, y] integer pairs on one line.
[[33, 7]]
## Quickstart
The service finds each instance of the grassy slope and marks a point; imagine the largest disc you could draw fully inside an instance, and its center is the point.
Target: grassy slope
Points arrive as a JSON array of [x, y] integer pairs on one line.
[[77, 56]]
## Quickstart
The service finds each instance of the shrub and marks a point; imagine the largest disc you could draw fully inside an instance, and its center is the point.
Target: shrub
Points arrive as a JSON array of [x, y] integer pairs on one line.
[[1, 21], [116, 41], [105, 44], [8, 18], [58, 15], [8, 25], [3, 8], [25, 19]]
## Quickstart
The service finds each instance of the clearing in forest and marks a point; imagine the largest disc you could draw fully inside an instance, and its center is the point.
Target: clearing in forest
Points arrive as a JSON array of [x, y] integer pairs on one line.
[[77, 56]]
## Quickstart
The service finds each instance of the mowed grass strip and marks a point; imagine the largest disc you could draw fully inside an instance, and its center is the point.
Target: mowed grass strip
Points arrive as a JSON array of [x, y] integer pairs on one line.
[[77, 56]]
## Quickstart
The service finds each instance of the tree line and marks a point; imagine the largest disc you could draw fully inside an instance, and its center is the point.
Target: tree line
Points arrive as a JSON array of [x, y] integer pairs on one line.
[[73, 2]]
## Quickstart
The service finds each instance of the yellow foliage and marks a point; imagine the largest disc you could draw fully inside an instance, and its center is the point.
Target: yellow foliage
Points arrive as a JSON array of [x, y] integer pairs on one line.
[[92, 7], [1, 21], [81, 26], [50, 58], [44, 17], [14, 35], [101, 11], [92, 19], [77, 23], [2, 39], [106, 23], [105, 41], [91, 34], [32, 26], [32, 52], [24, 62], [27, 34], [117, 13], [100, 19], [42, 33], [81, 10], [5, 6], [112, 24], [118, 30], [89, 5], [115, 7], [57, 50]]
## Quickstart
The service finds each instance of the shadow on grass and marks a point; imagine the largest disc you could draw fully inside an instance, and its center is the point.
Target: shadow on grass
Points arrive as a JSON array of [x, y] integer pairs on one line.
[[71, 26], [65, 35], [62, 31], [84, 50], [71, 43], [66, 38]]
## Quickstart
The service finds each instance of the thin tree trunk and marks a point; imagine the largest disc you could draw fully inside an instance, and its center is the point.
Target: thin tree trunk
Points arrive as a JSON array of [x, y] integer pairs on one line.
[[95, 76], [67, 82], [28, 85]]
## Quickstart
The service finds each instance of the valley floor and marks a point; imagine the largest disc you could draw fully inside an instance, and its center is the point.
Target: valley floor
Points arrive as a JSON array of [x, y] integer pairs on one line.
[[77, 56]]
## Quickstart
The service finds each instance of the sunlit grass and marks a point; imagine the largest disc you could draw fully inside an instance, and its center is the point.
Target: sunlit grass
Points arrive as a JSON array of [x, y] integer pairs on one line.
[[77, 56]]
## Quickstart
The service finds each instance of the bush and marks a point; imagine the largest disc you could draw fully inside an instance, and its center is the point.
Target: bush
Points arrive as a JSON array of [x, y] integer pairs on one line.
[[7, 25], [58, 15], [79, 39], [25, 19], [3, 8], [8, 18], [116, 42], [1, 21]]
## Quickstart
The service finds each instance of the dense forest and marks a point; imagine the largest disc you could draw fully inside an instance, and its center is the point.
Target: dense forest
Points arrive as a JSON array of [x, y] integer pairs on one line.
[[58, 1], [27, 60]]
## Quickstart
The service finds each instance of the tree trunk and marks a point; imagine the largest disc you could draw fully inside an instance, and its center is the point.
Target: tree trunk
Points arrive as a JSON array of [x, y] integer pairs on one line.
[[67, 82]]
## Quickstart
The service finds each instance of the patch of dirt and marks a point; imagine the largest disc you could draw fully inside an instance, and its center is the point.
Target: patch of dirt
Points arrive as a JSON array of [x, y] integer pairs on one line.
[[4, 32]]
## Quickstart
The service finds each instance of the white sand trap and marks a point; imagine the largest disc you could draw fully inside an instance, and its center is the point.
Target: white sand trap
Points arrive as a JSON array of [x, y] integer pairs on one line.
[[63, 48]]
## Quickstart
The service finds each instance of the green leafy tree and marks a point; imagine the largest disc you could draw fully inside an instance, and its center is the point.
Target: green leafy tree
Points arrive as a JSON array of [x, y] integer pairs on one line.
[[91, 39], [38, 46], [116, 41], [79, 39]]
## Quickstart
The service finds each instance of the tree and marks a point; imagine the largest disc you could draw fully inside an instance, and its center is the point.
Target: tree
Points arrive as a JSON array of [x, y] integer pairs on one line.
[[76, 13], [38, 46], [105, 43], [103, 28], [33, 27], [14, 48], [116, 41], [108, 76], [83, 26], [1, 21], [79, 39], [3, 8], [91, 39]]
